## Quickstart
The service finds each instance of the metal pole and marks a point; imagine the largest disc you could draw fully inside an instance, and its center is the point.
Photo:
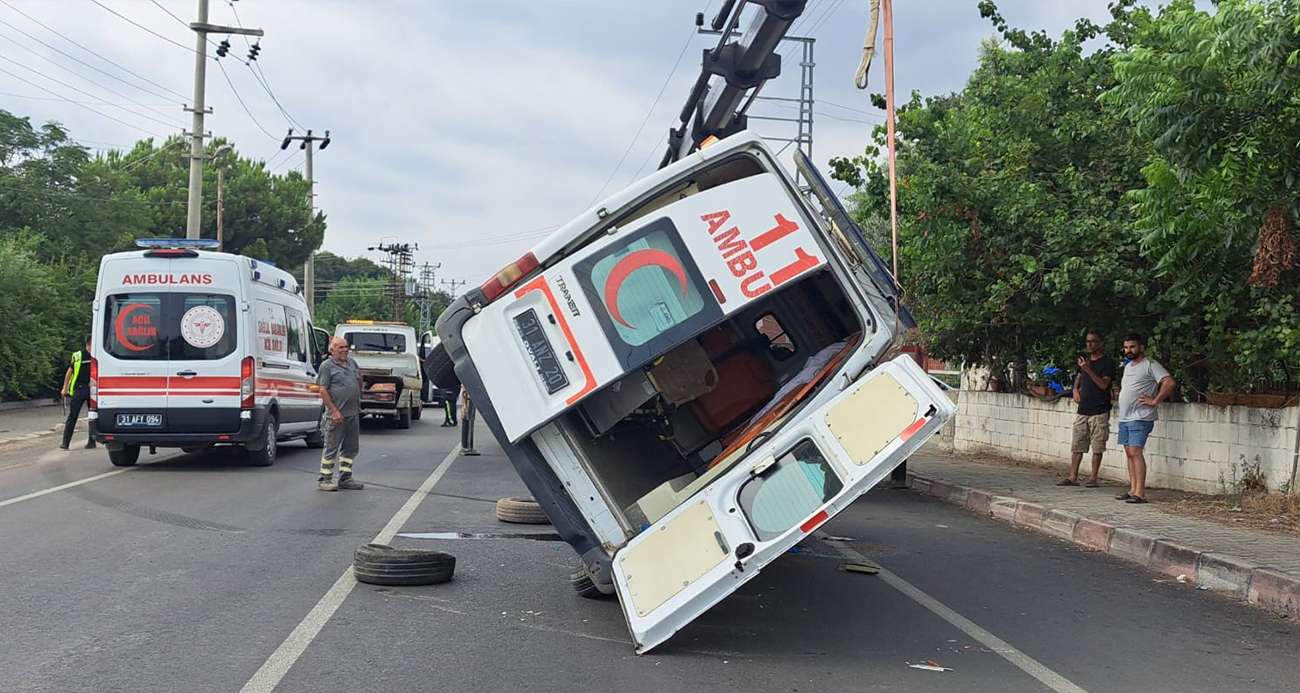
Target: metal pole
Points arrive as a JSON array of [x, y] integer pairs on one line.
[[221, 177], [195, 207], [309, 270]]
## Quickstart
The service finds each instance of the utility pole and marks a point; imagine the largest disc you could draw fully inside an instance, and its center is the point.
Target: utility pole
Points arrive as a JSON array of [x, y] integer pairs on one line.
[[309, 270], [454, 284], [427, 280], [198, 109], [400, 264]]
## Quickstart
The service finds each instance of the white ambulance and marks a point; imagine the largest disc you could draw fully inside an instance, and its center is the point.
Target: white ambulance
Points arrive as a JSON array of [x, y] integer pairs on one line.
[[693, 376], [194, 348]]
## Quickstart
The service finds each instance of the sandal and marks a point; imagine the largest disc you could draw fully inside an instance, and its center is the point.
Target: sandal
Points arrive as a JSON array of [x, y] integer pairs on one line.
[[1067, 482], [1092, 483], [1123, 496], [1135, 499]]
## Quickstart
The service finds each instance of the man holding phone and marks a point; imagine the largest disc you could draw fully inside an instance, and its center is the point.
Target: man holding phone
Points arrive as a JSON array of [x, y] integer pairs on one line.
[[1092, 420]]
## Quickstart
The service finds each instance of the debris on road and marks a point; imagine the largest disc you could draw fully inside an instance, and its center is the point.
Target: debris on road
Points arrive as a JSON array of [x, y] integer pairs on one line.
[[866, 567], [1182, 578], [832, 538], [929, 665]]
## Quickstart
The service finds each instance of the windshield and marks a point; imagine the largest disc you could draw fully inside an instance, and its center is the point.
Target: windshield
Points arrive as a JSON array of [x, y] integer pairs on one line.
[[850, 235], [177, 326], [376, 341]]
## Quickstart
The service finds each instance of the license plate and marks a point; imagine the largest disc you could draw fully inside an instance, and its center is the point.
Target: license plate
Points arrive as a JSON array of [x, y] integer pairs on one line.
[[539, 348], [133, 420]]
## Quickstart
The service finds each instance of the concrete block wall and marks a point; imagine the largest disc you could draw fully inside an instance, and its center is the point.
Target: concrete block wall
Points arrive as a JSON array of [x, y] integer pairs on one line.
[[1194, 447]]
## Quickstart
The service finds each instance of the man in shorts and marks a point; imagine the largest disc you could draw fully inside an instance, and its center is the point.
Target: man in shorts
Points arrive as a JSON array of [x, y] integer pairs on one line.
[[1144, 386], [1092, 418]]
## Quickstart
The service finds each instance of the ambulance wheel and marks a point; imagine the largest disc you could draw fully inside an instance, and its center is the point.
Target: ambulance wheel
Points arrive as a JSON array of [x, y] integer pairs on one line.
[[404, 418], [265, 457], [315, 439], [440, 369], [521, 511], [417, 410], [582, 583], [125, 457]]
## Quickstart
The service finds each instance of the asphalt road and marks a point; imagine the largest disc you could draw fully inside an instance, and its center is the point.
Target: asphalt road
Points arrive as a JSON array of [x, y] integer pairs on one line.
[[196, 573]]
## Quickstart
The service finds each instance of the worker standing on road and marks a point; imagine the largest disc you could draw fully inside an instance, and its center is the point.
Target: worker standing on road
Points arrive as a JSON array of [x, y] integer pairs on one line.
[[448, 410], [340, 389], [76, 384], [467, 424]]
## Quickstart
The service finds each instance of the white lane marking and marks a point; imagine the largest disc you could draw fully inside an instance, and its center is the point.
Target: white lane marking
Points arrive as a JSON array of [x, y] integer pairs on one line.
[[1024, 662], [278, 664], [60, 487]]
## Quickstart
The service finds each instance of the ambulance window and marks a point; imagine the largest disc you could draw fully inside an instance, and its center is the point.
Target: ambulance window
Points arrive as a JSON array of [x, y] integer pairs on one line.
[[132, 328], [779, 344], [649, 294], [201, 327], [790, 491], [297, 343]]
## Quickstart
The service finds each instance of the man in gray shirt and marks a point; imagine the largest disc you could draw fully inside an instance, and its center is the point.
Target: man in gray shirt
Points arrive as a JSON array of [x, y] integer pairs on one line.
[[340, 389], [1144, 386]]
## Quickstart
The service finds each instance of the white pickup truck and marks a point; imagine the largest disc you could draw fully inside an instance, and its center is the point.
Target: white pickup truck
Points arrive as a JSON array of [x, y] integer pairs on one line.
[[391, 378]]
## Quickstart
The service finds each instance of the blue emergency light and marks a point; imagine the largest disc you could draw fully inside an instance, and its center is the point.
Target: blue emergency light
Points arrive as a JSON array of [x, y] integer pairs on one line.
[[197, 243]]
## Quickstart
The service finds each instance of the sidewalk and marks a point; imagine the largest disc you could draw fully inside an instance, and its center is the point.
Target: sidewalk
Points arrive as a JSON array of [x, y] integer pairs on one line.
[[36, 422], [1260, 567]]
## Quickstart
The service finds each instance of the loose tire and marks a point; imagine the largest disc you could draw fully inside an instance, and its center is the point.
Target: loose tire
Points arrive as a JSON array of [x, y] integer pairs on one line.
[[440, 369], [404, 418], [266, 456], [521, 511], [380, 564], [582, 583], [126, 457]]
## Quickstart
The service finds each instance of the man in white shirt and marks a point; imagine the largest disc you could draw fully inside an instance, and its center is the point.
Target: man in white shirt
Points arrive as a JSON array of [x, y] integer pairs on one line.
[[1144, 386]]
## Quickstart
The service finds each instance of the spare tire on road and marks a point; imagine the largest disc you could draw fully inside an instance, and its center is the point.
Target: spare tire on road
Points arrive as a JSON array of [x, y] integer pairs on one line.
[[438, 367], [521, 511], [381, 564]]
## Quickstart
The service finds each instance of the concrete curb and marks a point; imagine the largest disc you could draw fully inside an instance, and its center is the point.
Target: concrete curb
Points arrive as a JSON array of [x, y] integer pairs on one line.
[[1260, 585]]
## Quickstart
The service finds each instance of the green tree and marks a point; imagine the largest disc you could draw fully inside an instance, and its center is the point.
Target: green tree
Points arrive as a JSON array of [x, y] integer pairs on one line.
[[38, 320], [1014, 237], [1216, 93]]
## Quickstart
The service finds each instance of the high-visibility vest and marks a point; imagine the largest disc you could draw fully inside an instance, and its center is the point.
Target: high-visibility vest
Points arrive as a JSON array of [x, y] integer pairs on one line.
[[76, 367]]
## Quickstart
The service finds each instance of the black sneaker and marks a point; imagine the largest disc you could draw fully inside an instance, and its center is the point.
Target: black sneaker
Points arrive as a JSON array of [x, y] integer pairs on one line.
[[90, 445], [347, 483], [63, 446]]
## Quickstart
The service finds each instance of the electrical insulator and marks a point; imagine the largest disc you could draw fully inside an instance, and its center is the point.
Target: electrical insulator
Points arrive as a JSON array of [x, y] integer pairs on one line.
[[253, 50], [223, 48]]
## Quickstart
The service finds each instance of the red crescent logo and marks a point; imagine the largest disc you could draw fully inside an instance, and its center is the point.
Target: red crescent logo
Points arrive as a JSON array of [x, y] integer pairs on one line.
[[120, 323], [633, 262]]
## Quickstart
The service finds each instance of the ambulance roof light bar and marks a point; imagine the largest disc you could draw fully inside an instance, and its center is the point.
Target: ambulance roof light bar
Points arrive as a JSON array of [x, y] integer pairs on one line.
[[194, 243]]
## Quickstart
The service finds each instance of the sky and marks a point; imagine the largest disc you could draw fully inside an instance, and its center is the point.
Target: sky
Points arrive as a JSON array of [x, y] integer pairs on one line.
[[468, 127]]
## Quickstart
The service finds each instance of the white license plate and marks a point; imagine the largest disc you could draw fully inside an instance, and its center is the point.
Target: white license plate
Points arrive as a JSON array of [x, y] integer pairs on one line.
[[132, 420]]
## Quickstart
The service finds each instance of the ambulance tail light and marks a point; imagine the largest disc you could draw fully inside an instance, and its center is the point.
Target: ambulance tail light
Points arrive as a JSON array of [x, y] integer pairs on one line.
[[94, 384], [509, 276], [247, 382]]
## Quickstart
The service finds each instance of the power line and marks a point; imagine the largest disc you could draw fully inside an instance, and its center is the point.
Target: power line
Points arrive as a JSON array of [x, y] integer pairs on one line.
[[83, 91], [256, 68], [97, 55], [235, 91], [830, 11], [282, 163], [77, 74], [110, 200], [649, 113], [51, 98], [88, 108], [141, 26], [151, 92]]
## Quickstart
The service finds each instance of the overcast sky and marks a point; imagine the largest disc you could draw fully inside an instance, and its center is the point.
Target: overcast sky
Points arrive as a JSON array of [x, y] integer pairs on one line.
[[466, 126]]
